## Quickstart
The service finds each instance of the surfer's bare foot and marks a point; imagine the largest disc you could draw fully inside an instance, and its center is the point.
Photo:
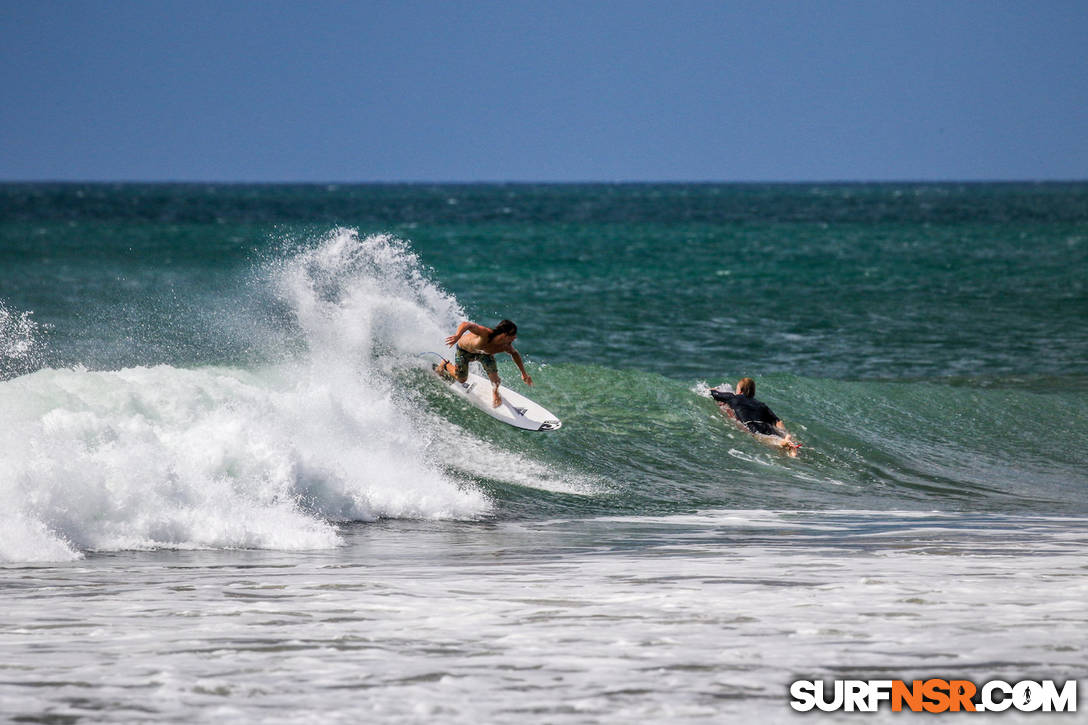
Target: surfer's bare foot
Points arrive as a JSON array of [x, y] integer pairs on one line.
[[496, 399], [790, 446], [443, 370]]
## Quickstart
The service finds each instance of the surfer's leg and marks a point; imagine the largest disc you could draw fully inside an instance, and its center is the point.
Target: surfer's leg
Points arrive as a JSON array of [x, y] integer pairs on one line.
[[460, 370], [487, 362], [496, 399]]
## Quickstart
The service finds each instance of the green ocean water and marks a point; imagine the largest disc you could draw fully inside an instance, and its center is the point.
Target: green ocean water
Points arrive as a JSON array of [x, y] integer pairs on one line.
[[928, 343]]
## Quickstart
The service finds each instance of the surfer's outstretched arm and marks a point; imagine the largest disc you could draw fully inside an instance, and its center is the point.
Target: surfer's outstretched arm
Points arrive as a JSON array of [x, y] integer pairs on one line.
[[521, 366]]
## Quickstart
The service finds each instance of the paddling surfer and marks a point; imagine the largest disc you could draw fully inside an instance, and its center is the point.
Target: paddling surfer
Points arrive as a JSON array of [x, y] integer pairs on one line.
[[476, 342], [753, 414]]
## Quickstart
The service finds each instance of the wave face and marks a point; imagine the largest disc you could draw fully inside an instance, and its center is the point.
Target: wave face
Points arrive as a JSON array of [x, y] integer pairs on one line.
[[867, 445], [207, 368]]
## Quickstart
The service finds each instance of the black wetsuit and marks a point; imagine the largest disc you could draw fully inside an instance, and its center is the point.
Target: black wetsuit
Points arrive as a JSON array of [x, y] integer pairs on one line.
[[755, 415]]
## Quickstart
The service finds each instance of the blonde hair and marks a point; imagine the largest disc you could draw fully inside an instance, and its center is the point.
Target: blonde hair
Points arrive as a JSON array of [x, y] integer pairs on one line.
[[747, 387]]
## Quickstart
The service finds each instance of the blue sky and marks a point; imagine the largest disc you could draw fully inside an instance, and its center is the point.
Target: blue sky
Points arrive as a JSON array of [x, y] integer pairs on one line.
[[618, 90]]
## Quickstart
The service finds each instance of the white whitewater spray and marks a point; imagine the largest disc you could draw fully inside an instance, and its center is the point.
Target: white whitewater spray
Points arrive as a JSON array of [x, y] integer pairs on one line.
[[223, 457], [20, 343]]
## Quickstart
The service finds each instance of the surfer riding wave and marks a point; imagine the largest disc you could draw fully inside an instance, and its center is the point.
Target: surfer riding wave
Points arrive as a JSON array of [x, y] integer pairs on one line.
[[478, 343]]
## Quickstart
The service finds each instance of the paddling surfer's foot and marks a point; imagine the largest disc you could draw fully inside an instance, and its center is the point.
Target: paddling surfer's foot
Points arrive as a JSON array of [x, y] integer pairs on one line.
[[790, 446]]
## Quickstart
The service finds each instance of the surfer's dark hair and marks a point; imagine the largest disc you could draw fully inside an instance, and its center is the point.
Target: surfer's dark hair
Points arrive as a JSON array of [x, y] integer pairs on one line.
[[747, 387], [506, 327]]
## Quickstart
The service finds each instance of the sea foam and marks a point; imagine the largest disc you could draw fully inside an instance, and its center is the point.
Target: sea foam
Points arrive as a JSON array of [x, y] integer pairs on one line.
[[270, 457]]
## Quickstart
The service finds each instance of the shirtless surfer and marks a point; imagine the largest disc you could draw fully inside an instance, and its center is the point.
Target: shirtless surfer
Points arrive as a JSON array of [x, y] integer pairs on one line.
[[753, 414], [476, 342]]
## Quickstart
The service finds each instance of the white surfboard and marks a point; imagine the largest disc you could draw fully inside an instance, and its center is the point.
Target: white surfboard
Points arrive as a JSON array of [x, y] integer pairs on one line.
[[516, 409]]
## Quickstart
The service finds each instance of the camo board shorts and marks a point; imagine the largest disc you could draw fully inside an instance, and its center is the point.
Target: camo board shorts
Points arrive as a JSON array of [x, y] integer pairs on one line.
[[464, 357]]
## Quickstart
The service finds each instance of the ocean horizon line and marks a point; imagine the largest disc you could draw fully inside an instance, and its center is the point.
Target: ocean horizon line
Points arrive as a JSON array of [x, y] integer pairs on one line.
[[544, 182]]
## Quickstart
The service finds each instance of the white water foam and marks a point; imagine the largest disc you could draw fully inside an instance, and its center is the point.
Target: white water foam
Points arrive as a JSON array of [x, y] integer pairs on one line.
[[165, 457], [699, 617]]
